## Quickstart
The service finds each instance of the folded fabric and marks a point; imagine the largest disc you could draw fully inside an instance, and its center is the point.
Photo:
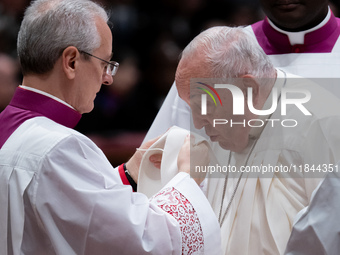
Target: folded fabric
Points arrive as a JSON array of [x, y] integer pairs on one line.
[[151, 179]]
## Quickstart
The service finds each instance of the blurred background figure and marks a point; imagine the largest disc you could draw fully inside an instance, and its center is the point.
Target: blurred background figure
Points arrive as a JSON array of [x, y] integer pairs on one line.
[[147, 45], [11, 13], [9, 79]]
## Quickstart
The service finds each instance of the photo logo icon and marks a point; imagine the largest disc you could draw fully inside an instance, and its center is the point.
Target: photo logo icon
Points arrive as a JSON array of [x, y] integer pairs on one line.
[[204, 97]]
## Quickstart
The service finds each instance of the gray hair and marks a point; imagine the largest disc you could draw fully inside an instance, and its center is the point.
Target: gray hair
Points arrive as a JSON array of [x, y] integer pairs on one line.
[[230, 52], [50, 26]]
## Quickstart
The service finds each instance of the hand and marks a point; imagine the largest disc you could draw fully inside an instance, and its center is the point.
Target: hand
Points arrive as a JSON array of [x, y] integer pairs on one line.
[[134, 162], [197, 154]]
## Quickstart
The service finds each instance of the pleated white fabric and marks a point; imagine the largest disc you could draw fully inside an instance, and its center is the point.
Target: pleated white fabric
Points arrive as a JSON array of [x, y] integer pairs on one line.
[[60, 195]]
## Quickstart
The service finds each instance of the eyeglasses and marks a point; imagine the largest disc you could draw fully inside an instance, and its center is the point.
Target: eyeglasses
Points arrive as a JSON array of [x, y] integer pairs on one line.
[[110, 69]]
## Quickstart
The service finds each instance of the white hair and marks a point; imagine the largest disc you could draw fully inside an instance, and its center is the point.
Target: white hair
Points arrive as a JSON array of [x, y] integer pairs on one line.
[[50, 26], [230, 52]]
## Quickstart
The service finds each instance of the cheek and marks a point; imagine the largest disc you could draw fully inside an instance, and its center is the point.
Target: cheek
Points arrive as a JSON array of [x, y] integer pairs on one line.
[[225, 132], [89, 94]]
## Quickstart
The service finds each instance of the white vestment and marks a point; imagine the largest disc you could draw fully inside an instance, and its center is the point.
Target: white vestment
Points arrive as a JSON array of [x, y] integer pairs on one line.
[[317, 229], [274, 224], [60, 195], [261, 214]]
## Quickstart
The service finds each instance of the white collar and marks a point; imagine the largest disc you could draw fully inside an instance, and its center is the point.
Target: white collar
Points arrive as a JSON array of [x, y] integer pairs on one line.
[[299, 37]]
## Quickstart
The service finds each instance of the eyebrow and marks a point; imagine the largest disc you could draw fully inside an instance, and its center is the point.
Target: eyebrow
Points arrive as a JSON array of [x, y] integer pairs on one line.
[[194, 95]]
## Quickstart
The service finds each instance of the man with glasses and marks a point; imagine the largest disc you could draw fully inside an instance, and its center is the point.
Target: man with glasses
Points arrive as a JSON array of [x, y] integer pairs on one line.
[[58, 192]]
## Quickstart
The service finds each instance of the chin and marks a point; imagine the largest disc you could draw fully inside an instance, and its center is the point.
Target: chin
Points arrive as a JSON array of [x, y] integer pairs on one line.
[[289, 20], [225, 146], [87, 109], [233, 147]]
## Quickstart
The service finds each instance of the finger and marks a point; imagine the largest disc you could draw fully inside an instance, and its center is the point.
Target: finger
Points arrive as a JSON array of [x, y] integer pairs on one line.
[[157, 165], [156, 160]]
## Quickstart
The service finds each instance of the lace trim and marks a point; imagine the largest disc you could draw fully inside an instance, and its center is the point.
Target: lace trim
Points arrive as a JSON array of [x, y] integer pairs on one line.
[[173, 202]]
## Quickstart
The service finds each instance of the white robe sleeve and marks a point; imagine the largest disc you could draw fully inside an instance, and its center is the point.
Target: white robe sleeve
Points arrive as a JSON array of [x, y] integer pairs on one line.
[[84, 209], [205, 233], [317, 230]]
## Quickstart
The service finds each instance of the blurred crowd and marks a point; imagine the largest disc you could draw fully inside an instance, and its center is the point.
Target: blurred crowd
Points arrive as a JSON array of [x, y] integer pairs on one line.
[[148, 39]]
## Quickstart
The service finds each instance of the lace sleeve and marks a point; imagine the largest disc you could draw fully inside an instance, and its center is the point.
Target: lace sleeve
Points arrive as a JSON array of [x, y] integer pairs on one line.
[[173, 202]]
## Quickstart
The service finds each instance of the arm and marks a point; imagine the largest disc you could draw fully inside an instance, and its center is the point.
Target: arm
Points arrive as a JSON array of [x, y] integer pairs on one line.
[[92, 211]]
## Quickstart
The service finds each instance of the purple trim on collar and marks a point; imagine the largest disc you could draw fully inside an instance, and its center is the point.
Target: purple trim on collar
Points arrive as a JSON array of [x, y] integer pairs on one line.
[[321, 40], [27, 104]]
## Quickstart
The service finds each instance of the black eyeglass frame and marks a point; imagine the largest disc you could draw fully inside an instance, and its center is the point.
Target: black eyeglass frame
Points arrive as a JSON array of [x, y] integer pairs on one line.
[[114, 64]]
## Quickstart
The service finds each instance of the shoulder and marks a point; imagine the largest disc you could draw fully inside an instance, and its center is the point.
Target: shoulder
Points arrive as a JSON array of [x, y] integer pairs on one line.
[[39, 135], [254, 28]]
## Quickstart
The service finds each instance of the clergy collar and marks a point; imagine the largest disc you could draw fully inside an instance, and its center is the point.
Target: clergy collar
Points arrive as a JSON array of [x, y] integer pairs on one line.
[[320, 39], [299, 37], [44, 104], [46, 94], [280, 82]]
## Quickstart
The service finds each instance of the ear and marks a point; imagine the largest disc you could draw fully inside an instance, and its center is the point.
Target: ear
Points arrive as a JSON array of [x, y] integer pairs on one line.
[[70, 57], [249, 81], [183, 89]]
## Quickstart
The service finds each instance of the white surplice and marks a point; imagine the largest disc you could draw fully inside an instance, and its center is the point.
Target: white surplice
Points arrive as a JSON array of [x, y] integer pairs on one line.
[[60, 195]]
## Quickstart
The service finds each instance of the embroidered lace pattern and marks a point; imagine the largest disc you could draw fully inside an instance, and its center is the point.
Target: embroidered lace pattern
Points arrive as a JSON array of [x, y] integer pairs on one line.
[[173, 202]]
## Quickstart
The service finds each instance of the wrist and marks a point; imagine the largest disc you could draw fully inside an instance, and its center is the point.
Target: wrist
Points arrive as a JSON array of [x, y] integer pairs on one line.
[[133, 169], [131, 180], [126, 177]]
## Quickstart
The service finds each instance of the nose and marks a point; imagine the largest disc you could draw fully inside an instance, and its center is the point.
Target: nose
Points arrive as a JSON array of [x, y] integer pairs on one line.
[[107, 79], [200, 121]]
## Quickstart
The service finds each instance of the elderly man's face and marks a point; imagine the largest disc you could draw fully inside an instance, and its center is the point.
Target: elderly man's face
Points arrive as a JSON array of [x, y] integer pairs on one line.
[[295, 15], [229, 136], [220, 124]]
